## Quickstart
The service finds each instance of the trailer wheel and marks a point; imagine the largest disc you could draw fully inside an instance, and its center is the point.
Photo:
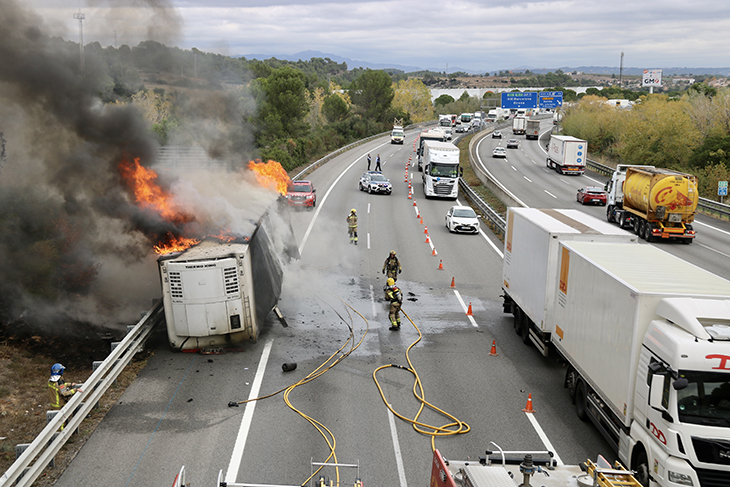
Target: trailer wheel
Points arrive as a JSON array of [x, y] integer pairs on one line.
[[622, 220], [518, 322], [641, 228], [525, 329], [609, 214], [647, 232], [580, 400], [641, 467], [571, 377], [636, 226]]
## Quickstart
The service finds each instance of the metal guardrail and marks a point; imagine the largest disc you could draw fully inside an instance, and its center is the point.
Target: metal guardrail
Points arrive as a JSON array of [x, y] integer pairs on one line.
[[37, 455], [705, 205], [494, 217]]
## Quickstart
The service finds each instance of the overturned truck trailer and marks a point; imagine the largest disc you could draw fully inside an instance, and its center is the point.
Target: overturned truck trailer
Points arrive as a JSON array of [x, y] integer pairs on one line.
[[218, 293]]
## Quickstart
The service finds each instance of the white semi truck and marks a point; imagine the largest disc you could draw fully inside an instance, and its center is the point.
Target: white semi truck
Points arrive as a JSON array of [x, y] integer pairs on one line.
[[519, 125], [530, 268], [441, 169], [567, 155], [646, 337], [217, 294], [428, 135]]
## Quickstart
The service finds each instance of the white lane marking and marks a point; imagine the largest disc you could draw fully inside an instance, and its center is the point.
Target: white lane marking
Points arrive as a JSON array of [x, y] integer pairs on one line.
[[594, 180], [329, 190], [372, 301], [496, 249], [549, 446], [528, 179], [548, 192], [396, 448], [368, 240], [484, 168], [513, 167], [710, 226], [368, 208], [465, 308], [710, 248], [237, 454]]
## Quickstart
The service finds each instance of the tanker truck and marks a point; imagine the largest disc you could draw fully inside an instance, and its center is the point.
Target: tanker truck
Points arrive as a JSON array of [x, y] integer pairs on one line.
[[654, 203]]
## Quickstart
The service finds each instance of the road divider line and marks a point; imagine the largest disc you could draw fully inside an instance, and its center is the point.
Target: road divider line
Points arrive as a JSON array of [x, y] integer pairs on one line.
[[396, 449], [548, 192], [368, 240], [372, 301], [237, 454], [548, 445], [528, 179], [710, 226], [465, 308], [713, 250]]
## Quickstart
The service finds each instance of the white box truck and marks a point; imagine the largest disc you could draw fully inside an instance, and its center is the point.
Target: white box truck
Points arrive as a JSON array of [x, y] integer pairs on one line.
[[519, 125], [441, 170], [567, 155], [647, 339], [530, 267], [533, 129]]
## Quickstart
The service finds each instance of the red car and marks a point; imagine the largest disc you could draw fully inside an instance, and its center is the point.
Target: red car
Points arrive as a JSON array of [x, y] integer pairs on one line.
[[592, 194], [302, 194]]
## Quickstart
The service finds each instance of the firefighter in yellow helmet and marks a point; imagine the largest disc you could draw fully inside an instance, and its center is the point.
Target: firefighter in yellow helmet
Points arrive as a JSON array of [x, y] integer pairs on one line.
[[392, 266], [59, 390], [395, 296], [352, 226]]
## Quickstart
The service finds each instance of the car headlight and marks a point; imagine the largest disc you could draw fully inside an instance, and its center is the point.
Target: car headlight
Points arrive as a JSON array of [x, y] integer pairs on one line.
[[679, 478]]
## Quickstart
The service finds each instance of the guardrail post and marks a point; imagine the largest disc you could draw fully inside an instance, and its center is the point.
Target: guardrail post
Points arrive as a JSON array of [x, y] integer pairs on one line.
[[21, 447]]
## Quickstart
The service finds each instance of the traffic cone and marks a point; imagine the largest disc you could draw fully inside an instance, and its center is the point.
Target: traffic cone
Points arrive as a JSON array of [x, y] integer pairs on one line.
[[528, 408], [414, 202], [493, 351], [410, 198], [441, 264], [433, 251], [428, 240], [453, 284], [468, 311], [421, 223]]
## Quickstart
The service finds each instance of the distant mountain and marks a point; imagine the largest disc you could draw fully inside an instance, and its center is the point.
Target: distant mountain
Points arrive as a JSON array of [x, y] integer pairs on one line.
[[637, 71]]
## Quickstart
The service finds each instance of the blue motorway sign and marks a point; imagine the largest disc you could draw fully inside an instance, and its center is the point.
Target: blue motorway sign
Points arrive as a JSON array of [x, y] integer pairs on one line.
[[519, 99], [551, 99]]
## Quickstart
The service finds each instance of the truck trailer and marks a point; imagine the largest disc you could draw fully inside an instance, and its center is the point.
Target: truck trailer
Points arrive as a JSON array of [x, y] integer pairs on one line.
[[441, 169], [655, 203], [567, 155], [646, 337], [433, 135], [533, 129], [530, 268], [519, 125], [217, 294]]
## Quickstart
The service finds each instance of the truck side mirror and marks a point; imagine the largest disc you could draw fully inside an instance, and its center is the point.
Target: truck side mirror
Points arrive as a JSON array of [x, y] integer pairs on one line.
[[680, 384]]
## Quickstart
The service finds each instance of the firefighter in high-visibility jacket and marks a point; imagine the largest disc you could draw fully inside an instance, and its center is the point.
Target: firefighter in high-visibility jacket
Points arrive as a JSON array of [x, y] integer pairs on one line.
[[395, 296], [352, 226], [392, 266], [59, 390]]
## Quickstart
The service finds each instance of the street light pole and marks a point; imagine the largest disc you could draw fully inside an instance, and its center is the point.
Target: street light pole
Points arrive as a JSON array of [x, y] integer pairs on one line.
[[80, 17]]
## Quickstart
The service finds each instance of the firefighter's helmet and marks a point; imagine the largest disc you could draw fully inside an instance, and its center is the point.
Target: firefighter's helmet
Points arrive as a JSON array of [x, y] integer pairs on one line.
[[392, 252], [353, 210], [390, 281]]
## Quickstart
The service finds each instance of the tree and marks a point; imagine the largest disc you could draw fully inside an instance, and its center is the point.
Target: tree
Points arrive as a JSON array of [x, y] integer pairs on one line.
[[464, 96], [372, 92], [282, 102], [334, 108], [413, 97], [443, 100]]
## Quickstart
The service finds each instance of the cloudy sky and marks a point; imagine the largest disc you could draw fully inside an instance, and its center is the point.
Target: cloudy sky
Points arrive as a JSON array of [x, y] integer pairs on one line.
[[480, 35]]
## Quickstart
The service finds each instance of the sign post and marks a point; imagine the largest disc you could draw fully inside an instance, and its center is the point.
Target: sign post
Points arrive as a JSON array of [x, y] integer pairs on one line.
[[721, 189]]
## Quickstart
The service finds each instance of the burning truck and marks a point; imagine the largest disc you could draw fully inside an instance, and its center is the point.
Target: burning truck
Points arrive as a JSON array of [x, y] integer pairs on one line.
[[218, 293]]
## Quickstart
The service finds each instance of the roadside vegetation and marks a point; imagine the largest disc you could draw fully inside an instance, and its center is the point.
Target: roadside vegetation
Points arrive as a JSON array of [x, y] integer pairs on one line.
[[687, 133]]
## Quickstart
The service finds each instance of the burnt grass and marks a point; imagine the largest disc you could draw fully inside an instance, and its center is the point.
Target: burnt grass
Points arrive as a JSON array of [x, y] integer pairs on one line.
[[27, 352]]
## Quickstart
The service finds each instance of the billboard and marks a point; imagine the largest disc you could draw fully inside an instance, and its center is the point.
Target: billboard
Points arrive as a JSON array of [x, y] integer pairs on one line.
[[652, 77]]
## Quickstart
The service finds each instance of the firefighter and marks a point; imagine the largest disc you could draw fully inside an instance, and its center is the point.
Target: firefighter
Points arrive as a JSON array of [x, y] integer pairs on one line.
[[395, 296], [60, 391], [392, 266], [352, 226]]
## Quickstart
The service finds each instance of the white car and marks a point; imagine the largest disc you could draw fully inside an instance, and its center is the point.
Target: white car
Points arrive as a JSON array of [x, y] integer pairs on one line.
[[462, 219], [499, 152]]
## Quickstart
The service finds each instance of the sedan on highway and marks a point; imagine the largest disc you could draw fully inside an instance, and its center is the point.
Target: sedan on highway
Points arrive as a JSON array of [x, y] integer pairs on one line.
[[375, 182], [462, 219], [462, 129], [513, 144], [591, 194], [499, 152], [496, 134]]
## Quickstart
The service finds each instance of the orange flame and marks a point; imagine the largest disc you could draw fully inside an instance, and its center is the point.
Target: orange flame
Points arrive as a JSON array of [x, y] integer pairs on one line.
[[270, 174], [148, 193], [174, 244]]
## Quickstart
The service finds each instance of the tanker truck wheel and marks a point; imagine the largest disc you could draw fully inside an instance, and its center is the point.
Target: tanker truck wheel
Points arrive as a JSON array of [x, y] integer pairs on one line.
[[580, 400], [640, 230], [647, 232], [622, 220], [609, 214]]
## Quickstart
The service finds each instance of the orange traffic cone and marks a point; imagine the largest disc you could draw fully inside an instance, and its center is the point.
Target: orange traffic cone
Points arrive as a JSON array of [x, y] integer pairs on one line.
[[528, 408], [410, 198], [453, 284], [428, 240], [414, 202], [468, 311], [425, 229], [433, 251], [493, 351], [441, 264], [421, 223]]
